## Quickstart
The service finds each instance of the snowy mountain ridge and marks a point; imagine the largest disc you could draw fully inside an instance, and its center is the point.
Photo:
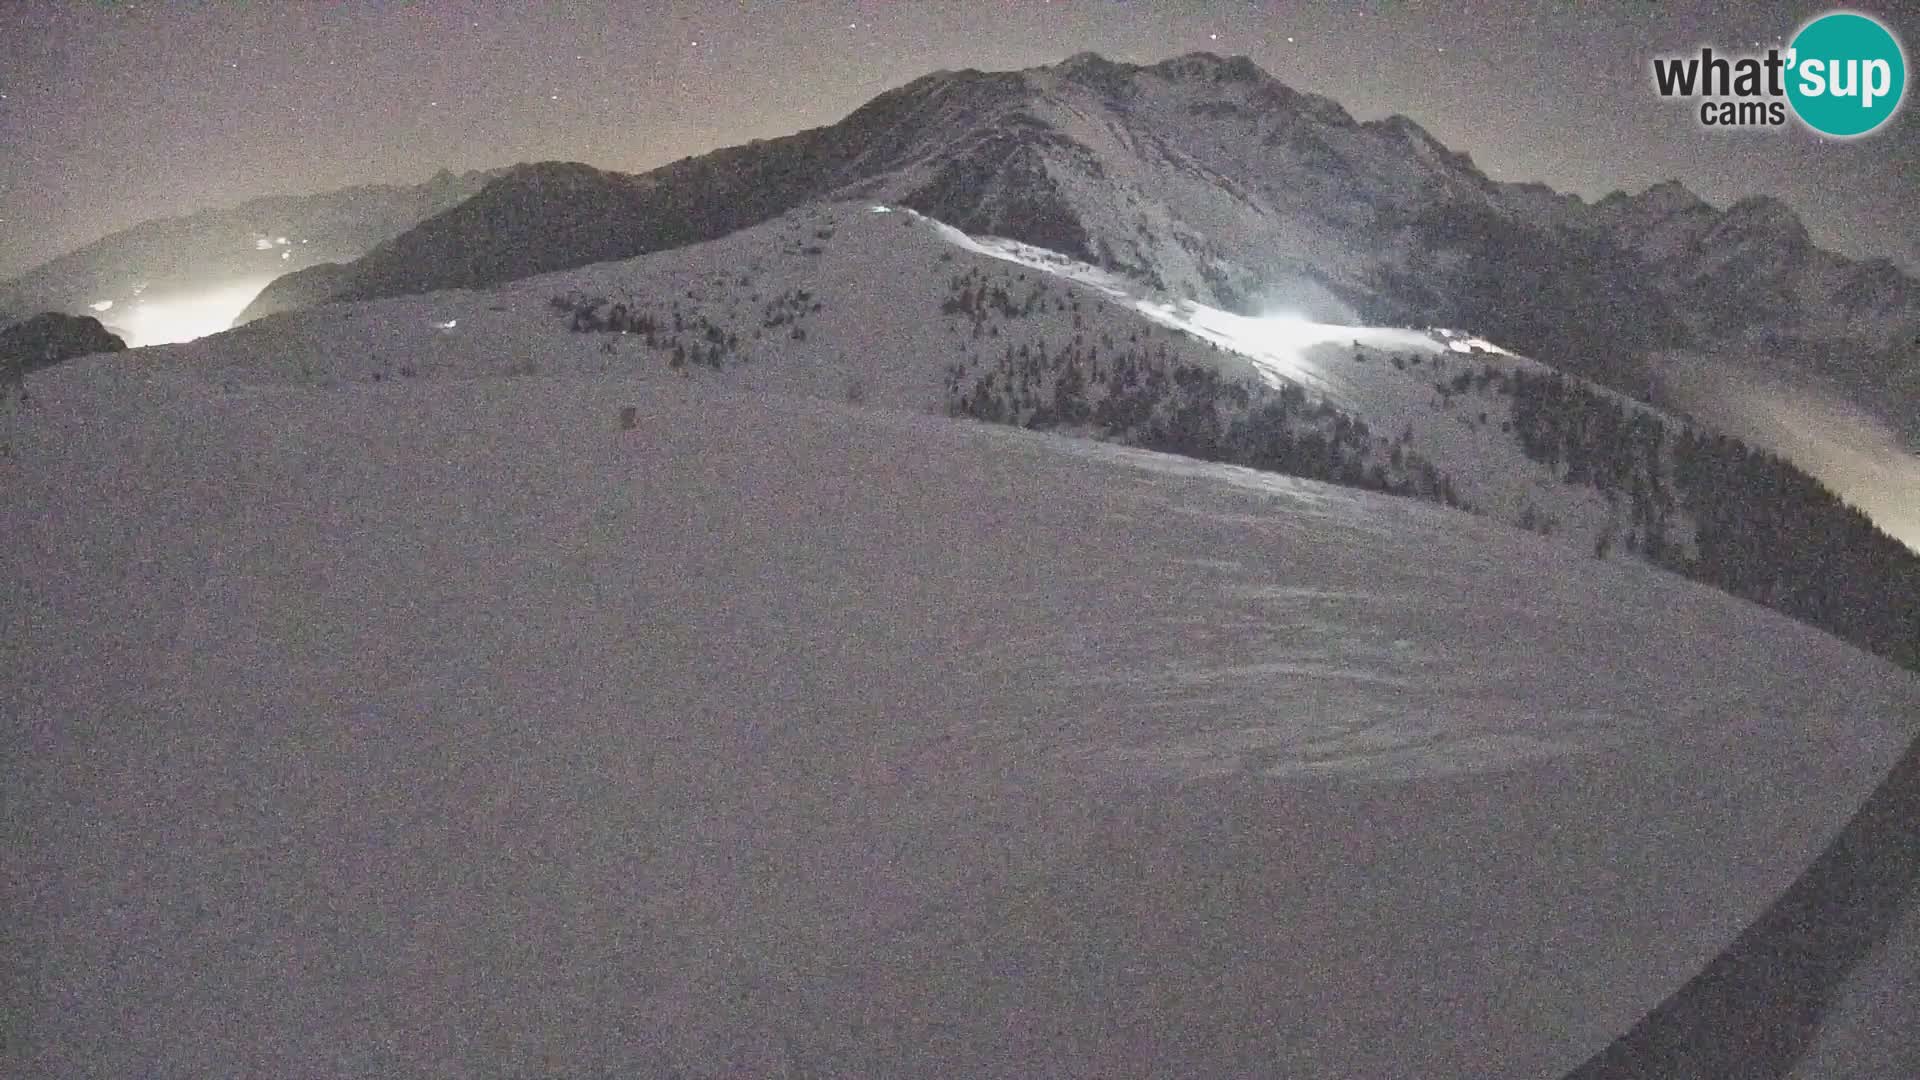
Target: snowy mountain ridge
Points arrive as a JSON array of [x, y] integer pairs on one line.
[[1206, 178], [847, 301], [855, 295]]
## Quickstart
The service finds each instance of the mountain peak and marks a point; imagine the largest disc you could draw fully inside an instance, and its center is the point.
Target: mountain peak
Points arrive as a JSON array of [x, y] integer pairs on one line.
[[1765, 216], [1093, 70], [1764, 208], [561, 175], [1207, 66], [1406, 127], [1266, 91], [445, 179], [1425, 147], [1671, 196], [1666, 201], [1198, 72], [1088, 60], [1201, 66]]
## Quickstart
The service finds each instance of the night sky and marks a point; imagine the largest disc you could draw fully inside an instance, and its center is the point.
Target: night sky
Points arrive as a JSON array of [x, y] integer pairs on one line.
[[114, 113]]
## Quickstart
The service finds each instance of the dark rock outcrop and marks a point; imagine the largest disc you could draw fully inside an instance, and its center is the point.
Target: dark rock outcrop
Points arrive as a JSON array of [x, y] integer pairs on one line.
[[50, 338]]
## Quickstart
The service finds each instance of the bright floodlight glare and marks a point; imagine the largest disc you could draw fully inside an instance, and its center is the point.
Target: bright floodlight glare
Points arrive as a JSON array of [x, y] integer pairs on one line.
[[194, 315], [1277, 344], [1285, 330], [101, 305]]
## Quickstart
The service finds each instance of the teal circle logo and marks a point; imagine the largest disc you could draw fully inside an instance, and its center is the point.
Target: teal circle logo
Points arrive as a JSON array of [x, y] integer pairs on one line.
[[1846, 74]]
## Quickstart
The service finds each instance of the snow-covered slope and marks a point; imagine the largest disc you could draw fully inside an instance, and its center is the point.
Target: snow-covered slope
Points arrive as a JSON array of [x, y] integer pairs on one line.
[[1870, 1030], [443, 727], [858, 300]]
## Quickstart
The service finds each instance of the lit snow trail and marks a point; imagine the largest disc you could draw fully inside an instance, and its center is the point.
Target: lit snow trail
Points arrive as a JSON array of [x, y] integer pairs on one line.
[[1282, 347]]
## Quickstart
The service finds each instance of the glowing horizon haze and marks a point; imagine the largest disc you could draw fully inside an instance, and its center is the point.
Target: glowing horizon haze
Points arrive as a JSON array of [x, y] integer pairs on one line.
[[186, 316]]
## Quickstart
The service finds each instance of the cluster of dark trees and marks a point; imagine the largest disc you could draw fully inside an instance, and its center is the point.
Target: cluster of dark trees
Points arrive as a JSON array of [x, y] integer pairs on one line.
[[687, 340], [980, 299], [1763, 530], [1772, 534], [1601, 442], [788, 309], [979, 302]]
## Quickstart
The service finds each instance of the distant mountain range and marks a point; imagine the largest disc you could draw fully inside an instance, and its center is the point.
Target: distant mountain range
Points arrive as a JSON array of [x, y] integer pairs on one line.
[[256, 240], [1207, 178]]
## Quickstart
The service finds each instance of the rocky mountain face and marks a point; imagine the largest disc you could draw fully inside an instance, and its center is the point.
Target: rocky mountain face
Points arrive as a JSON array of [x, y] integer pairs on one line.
[[260, 239], [557, 215], [1208, 178]]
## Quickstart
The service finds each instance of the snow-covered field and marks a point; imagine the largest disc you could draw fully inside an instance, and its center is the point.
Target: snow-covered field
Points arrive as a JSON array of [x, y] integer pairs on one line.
[[442, 727], [1870, 1031]]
